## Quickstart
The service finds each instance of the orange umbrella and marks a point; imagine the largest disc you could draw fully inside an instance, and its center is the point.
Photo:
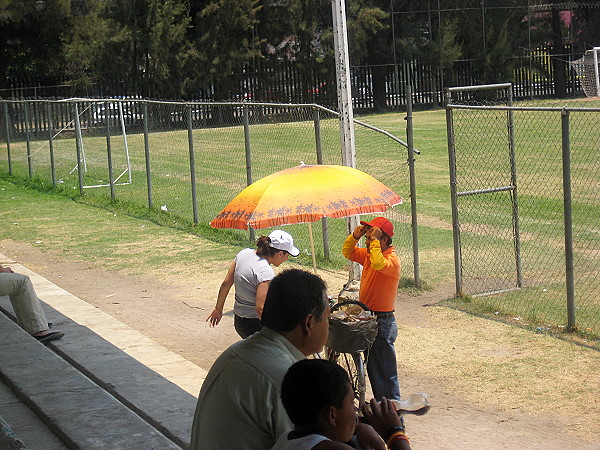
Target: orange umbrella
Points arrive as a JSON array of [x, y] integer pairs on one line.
[[305, 194]]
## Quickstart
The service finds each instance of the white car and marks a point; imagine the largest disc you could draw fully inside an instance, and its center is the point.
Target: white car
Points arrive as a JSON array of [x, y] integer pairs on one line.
[[112, 113]]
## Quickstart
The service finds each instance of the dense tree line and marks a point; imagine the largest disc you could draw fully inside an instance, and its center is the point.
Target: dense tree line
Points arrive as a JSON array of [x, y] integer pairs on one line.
[[181, 48]]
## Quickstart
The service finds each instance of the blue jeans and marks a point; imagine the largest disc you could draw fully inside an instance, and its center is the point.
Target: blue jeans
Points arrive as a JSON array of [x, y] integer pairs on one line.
[[381, 360]]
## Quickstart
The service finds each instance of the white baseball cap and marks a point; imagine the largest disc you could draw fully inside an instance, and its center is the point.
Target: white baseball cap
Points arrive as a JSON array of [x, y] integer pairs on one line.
[[283, 241]]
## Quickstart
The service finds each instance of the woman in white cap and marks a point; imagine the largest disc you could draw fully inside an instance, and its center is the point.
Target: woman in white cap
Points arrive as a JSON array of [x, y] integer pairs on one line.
[[251, 273]]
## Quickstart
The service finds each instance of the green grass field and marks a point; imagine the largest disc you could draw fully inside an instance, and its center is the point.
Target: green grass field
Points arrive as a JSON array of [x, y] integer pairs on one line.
[[482, 161]]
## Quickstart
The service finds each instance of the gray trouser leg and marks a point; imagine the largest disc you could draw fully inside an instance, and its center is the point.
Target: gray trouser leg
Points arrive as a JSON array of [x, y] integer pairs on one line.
[[25, 302]]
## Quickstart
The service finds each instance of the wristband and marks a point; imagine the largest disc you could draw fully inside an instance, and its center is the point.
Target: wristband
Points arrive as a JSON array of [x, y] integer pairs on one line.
[[398, 437], [392, 431]]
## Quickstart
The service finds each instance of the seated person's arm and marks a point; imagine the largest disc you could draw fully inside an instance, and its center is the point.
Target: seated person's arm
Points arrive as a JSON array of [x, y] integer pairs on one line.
[[367, 438], [5, 269], [387, 423]]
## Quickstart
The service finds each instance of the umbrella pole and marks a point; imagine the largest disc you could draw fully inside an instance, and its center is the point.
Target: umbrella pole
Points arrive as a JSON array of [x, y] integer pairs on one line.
[[312, 247]]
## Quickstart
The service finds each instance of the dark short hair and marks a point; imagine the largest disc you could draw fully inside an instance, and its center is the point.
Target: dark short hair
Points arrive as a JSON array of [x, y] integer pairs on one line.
[[309, 386], [293, 295], [389, 238]]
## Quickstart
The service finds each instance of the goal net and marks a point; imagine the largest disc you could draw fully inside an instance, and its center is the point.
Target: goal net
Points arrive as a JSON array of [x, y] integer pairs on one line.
[[108, 112], [587, 69]]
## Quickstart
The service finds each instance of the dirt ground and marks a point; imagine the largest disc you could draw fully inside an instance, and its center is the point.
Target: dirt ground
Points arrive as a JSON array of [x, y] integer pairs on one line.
[[172, 311]]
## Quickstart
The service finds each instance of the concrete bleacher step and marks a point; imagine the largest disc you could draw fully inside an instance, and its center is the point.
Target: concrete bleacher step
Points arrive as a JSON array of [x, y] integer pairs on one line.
[[82, 413], [103, 385], [27, 426], [8, 438]]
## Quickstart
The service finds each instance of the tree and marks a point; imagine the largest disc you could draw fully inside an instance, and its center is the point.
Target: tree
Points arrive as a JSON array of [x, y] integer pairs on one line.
[[300, 33], [97, 49], [139, 44], [369, 42], [30, 38], [226, 40], [559, 67], [586, 32], [492, 33], [551, 26], [498, 66], [440, 53], [167, 23]]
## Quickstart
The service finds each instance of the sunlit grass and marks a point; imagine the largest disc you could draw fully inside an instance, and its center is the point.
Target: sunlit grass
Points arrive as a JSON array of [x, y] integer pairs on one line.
[[486, 222]]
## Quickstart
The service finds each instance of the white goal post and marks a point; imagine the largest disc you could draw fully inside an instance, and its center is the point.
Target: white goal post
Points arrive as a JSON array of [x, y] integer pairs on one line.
[[102, 115], [588, 72]]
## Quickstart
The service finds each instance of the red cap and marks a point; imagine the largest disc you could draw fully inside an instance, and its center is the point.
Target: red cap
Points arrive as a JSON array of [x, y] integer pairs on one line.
[[382, 223]]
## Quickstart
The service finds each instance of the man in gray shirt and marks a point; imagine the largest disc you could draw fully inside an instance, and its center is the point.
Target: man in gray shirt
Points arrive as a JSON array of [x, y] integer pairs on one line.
[[239, 406]]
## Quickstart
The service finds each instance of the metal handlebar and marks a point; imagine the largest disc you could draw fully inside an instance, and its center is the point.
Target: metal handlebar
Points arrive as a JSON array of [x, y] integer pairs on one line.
[[349, 302]]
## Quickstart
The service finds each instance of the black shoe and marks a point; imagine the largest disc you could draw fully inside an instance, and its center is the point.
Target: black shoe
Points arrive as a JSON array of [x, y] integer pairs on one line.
[[53, 336]]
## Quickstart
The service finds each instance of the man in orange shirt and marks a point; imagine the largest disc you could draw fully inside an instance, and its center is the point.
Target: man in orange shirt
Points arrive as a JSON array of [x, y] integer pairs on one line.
[[378, 287]]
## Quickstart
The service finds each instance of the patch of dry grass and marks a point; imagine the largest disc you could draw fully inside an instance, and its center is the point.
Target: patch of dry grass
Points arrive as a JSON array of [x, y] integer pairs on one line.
[[501, 366]]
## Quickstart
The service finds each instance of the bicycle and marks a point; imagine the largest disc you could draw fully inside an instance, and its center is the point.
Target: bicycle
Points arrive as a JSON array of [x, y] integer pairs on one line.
[[348, 340]]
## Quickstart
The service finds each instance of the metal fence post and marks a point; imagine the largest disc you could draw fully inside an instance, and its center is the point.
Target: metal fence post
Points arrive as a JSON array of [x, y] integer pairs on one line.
[[7, 123], [413, 184], [192, 164], [37, 120], [324, 225], [78, 145], [514, 196], [28, 140], [248, 156], [453, 197], [111, 180], [568, 217], [51, 142], [147, 154]]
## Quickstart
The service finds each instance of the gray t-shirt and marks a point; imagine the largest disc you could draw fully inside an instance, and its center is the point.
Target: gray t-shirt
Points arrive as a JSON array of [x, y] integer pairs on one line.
[[239, 406], [250, 271]]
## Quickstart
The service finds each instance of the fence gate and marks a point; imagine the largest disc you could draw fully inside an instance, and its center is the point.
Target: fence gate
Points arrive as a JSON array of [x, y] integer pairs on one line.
[[529, 236], [483, 183]]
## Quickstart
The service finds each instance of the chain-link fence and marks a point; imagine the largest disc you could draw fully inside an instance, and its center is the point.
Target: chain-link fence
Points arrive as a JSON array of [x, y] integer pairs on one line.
[[526, 205], [190, 159]]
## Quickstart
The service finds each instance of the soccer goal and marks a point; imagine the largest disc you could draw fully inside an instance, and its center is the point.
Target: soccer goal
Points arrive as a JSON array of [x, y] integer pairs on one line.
[[587, 72], [106, 112]]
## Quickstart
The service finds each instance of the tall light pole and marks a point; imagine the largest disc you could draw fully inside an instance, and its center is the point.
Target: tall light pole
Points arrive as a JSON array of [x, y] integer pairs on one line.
[[396, 77], [342, 71], [344, 95]]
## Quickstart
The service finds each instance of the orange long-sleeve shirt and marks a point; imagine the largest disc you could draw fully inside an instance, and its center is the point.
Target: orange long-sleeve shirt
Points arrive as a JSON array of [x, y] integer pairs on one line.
[[381, 273]]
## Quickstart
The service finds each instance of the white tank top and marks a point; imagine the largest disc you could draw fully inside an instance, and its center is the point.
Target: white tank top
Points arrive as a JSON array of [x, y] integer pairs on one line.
[[303, 443]]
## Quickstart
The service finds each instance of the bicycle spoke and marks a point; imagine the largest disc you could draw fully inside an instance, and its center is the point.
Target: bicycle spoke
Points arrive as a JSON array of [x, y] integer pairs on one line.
[[354, 365]]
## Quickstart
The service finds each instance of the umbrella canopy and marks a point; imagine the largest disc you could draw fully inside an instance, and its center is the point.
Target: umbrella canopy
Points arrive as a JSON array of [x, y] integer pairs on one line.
[[306, 193]]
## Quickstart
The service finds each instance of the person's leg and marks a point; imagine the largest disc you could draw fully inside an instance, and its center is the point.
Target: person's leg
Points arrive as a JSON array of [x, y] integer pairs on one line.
[[25, 302], [246, 327], [381, 361]]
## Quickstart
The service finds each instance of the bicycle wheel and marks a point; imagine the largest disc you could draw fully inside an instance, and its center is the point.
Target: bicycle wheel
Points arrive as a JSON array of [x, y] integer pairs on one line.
[[353, 363]]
